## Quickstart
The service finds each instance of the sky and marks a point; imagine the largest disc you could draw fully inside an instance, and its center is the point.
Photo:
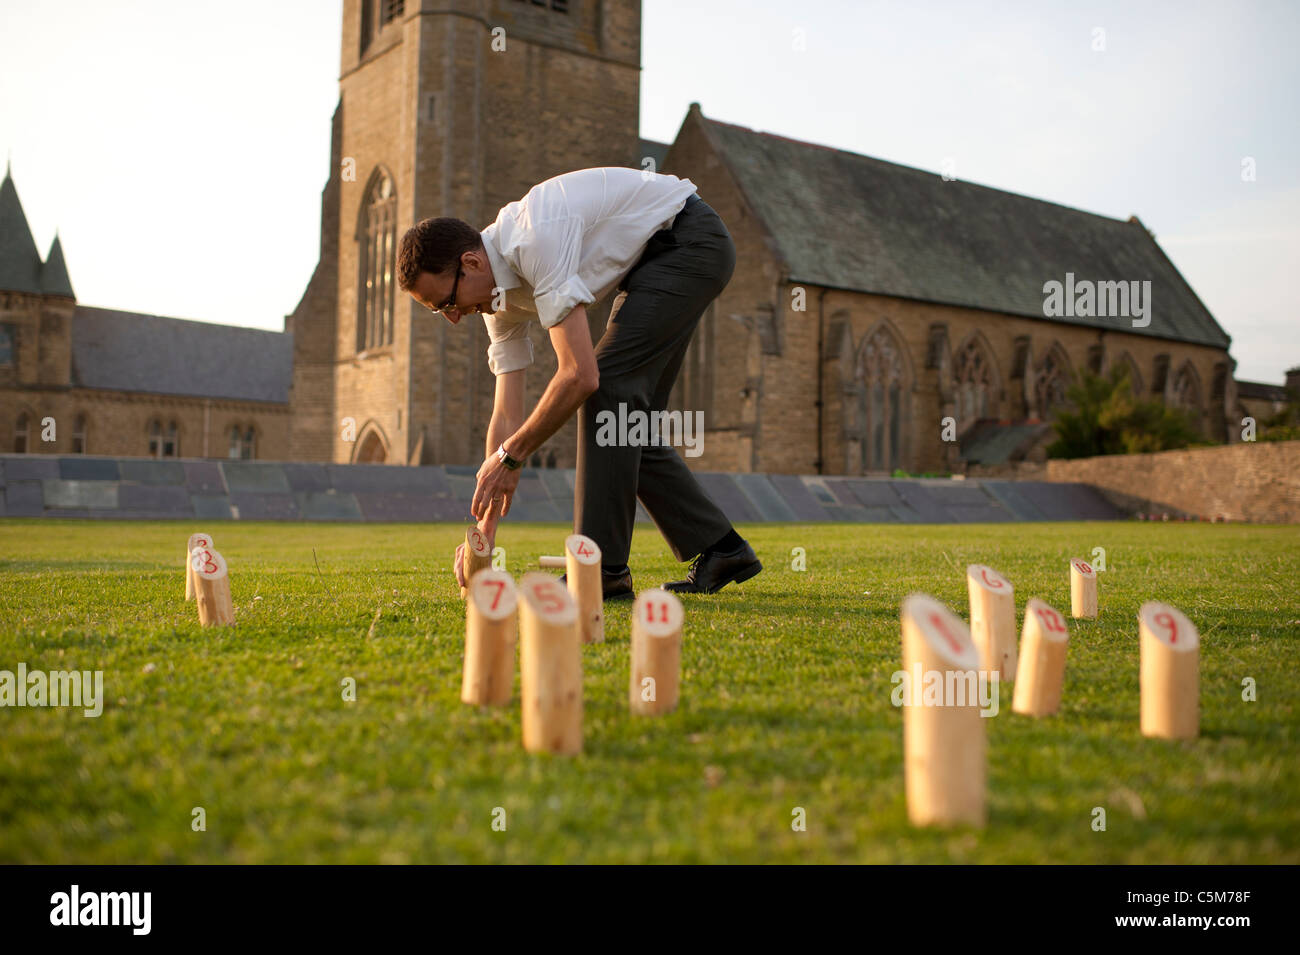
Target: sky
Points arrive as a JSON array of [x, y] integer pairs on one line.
[[180, 149]]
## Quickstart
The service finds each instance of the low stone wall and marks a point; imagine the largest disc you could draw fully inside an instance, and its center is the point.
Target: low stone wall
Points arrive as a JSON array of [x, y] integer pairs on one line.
[[1258, 482], [85, 486]]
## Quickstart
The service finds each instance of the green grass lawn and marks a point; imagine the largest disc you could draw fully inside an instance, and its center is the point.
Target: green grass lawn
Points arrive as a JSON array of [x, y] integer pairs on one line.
[[785, 703]]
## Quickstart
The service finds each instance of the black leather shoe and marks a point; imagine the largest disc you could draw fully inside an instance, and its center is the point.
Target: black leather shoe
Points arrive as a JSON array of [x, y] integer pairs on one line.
[[709, 573], [617, 586]]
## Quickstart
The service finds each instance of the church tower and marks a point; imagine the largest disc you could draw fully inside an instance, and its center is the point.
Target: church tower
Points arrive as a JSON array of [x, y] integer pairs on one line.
[[455, 108]]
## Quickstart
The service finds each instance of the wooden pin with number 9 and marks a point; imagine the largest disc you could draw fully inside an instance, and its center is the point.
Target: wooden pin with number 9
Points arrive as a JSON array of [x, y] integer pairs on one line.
[[1168, 672]]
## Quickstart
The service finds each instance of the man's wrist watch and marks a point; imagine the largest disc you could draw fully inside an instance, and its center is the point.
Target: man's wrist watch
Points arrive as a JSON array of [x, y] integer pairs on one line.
[[504, 457]]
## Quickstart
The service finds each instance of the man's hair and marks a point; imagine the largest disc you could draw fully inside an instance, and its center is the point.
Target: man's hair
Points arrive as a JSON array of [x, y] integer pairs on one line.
[[434, 245]]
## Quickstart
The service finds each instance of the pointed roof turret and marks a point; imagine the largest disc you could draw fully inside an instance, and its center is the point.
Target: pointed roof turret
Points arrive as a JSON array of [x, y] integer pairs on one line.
[[54, 274], [20, 262]]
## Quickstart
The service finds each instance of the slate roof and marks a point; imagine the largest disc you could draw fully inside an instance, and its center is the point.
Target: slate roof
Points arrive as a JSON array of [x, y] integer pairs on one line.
[[655, 150], [849, 221], [126, 351], [20, 262], [992, 442], [1260, 391], [54, 273]]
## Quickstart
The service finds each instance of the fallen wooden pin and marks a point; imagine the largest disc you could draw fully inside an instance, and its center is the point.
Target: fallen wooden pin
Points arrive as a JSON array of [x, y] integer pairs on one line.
[[993, 620], [212, 587], [1083, 590], [656, 653], [582, 575], [550, 666], [1042, 661], [1169, 672], [475, 556], [943, 745], [491, 634], [553, 562], [196, 540]]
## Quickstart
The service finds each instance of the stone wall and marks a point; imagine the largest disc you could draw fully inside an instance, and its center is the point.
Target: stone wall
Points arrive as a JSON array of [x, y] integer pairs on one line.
[[1255, 482]]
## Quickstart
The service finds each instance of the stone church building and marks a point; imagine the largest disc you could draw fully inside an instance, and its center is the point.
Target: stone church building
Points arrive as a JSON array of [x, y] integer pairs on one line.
[[880, 317], [81, 380]]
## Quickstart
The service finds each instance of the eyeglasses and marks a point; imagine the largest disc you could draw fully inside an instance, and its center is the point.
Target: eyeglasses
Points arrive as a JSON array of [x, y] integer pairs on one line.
[[451, 302]]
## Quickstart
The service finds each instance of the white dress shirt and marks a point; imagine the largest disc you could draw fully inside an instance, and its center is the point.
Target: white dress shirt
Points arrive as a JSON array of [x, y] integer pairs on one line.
[[569, 242]]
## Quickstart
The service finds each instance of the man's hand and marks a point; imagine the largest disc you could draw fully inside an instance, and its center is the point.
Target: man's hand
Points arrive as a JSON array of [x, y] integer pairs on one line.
[[496, 486]]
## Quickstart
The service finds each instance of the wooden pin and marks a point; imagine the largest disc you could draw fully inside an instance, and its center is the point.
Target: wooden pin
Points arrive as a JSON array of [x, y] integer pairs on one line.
[[212, 587], [1042, 661], [196, 540], [491, 633], [553, 562], [993, 620], [1083, 590], [550, 666], [582, 574], [1169, 676], [475, 556], [943, 746], [656, 653]]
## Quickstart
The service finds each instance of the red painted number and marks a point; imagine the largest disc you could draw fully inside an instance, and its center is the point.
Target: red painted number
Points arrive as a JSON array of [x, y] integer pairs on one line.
[[650, 613], [500, 586], [938, 624], [477, 540], [993, 582], [1083, 567], [1051, 620], [547, 594], [209, 565], [1167, 621], [583, 551]]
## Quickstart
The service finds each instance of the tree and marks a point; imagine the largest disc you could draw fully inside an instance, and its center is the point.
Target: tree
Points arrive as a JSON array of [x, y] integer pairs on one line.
[[1285, 425], [1105, 417]]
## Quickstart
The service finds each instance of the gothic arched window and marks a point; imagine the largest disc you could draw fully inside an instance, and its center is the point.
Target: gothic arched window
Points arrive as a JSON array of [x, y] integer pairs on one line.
[[1187, 393], [20, 433], [1050, 382], [974, 384], [879, 379], [377, 237]]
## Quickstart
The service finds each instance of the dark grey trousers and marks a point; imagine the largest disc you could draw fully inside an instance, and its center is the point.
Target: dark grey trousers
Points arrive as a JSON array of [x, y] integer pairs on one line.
[[657, 309]]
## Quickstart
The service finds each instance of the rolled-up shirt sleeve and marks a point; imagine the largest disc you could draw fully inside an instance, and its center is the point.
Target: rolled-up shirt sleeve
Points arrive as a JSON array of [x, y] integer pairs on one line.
[[510, 347], [548, 260]]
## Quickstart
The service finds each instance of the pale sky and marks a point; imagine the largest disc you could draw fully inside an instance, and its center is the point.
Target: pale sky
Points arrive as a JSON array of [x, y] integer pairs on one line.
[[180, 149]]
